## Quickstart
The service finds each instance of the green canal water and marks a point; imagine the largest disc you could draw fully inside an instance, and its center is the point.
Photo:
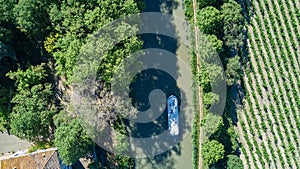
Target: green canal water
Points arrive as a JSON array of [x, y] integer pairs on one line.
[[180, 156]]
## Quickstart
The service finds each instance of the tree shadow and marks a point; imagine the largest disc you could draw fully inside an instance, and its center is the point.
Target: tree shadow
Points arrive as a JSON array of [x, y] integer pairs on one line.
[[148, 80], [145, 82]]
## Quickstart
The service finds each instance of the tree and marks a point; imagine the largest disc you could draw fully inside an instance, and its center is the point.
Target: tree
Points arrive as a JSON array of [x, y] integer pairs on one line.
[[22, 29], [32, 17], [233, 138], [7, 51], [32, 112], [7, 62], [211, 71], [6, 7], [205, 3], [26, 79], [233, 24], [209, 20], [5, 107], [215, 42], [210, 98], [189, 11], [71, 140], [31, 117], [212, 152], [233, 71], [234, 162], [75, 21], [211, 125], [7, 21]]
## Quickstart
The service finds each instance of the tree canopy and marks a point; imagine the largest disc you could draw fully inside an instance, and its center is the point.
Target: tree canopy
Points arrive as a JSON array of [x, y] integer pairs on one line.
[[31, 117], [205, 3], [233, 71], [209, 20], [212, 151], [234, 162], [216, 43], [71, 140], [32, 76], [32, 112], [233, 27], [75, 21], [32, 17]]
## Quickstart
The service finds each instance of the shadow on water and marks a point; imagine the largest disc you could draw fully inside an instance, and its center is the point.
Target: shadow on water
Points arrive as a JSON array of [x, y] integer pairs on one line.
[[145, 82], [150, 79]]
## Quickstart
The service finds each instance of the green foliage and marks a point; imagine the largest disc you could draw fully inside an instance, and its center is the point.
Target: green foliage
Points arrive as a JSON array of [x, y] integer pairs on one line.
[[7, 35], [32, 17], [6, 11], [5, 107], [233, 24], [49, 43], [7, 51], [211, 124], [122, 143], [209, 20], [234, 162], [32, 112], [203, 78], [75, 21], [72, 141], [61, 118], [212, 151], [112, 59], [216, 43], [205, 3], [189, 10], [66, 50], [233, 71], [26, 79], [31, 116], [210, 98], [125, 162], [208, 75], [233, 138], [39, 146], [7, 21]]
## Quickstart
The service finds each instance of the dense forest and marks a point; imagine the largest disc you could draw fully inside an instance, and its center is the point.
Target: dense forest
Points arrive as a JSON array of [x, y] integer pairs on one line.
[[39, 45]]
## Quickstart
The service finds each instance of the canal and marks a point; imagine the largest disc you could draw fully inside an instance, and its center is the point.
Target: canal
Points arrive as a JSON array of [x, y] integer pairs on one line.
[[180, 156]]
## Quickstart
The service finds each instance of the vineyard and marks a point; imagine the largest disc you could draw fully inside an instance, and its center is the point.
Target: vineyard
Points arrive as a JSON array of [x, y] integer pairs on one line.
[[269, 120]]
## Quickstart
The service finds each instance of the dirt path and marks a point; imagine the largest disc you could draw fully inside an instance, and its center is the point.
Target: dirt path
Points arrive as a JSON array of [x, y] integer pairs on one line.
[[196, 31]]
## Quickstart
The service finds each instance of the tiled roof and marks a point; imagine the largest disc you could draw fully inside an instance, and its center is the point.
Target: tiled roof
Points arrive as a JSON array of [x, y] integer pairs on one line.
[[45, 159]]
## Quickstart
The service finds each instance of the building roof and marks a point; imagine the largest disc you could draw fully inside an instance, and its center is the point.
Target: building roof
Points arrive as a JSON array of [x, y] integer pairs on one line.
[[43, 159]]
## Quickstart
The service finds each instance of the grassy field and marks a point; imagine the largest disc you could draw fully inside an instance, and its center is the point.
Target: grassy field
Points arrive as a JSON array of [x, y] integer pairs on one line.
[[270, 117]]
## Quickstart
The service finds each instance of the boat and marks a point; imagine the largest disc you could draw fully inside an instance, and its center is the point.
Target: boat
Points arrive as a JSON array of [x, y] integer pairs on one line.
[[173, 122]]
